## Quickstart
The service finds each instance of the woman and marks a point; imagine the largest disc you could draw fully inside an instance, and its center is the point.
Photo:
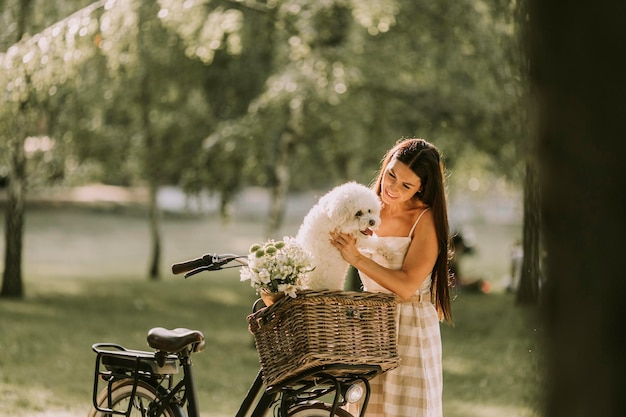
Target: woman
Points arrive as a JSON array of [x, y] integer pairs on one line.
[[410, 259]]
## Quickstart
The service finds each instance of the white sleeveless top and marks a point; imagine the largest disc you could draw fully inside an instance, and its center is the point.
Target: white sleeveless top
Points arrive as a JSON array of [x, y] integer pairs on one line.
[[390, 251]]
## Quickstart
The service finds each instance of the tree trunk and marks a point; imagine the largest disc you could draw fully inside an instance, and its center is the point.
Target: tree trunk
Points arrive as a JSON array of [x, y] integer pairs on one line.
[[151, 173], [528, 287], [14, 219], [282, 175], [280, 188], [12, 285], [150, 153], [577, 69], [155, 234]]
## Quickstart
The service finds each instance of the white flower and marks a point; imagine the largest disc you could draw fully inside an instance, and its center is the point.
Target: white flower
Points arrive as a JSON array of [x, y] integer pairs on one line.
[[288, 289], [277, 266]]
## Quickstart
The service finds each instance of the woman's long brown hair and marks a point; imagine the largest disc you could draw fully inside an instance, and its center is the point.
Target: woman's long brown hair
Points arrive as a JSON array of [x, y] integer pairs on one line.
[[425, 160]]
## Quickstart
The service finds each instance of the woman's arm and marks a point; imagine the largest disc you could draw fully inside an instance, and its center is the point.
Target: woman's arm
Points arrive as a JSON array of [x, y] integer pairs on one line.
[[418, 263]]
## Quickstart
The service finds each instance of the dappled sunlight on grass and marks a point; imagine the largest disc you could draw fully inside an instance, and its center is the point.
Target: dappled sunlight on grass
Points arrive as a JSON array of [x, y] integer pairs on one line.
[[39, 402], [24, 310]]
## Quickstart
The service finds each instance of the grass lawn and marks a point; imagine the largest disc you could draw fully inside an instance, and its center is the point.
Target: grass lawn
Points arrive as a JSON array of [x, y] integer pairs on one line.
[[85, 283]]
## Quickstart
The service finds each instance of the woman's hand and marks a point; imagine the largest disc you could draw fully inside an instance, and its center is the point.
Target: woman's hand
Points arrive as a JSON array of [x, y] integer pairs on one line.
[[346, 244]]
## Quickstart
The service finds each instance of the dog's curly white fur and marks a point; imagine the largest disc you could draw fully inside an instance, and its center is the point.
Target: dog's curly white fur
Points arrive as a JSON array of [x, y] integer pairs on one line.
[[351, 208]]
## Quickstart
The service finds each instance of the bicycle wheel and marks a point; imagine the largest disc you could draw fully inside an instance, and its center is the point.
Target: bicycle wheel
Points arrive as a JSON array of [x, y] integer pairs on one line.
[[317, 410], [121, 396]]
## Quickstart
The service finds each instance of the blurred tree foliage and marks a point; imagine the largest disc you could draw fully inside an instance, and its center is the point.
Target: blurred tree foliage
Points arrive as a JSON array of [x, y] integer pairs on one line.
[[285, 94], [228, 74]]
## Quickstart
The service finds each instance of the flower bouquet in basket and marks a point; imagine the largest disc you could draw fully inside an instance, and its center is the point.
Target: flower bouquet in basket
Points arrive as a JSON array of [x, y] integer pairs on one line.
[[276, 268]]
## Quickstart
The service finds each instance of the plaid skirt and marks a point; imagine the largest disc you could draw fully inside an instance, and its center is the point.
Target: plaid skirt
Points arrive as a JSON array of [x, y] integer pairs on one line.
[[415, 387]]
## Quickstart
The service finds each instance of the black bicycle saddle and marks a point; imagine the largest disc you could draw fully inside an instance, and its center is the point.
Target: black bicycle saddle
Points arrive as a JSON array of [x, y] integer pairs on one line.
[[174, 341]]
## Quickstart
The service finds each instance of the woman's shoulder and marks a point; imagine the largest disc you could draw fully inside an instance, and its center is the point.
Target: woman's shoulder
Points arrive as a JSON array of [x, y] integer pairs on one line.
[[423, 219], [403, 224]]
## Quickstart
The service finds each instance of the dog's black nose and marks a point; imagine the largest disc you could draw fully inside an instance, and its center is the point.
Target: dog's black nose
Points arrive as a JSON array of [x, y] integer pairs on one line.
[[372, 222]]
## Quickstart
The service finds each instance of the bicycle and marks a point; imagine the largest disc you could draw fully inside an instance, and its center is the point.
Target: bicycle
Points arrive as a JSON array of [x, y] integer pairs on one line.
[[144, 383]]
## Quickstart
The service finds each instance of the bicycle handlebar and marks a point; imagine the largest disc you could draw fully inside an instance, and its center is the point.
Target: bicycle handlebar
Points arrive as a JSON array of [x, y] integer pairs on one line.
[[185, 266], [207, 262]]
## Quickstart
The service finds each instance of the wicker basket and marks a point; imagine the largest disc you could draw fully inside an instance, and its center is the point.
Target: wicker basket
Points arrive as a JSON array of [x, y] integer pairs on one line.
[[323, 328]]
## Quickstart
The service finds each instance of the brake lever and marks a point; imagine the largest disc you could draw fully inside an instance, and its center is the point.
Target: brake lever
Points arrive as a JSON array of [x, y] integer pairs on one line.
[[195, 271]]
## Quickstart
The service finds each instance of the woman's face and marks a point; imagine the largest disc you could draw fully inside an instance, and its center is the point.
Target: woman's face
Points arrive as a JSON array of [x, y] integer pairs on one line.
[[399, 183]]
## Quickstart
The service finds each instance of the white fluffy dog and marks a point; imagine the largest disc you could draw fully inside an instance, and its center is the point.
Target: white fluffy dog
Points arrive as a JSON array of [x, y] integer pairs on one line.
[[351, 208]]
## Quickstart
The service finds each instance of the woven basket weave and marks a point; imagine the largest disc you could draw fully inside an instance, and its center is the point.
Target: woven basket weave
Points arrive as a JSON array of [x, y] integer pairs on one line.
[[322, 328]]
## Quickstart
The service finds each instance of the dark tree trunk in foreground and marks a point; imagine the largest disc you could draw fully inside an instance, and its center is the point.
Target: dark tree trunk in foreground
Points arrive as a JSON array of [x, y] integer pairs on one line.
[[528, 287], [577, 76]]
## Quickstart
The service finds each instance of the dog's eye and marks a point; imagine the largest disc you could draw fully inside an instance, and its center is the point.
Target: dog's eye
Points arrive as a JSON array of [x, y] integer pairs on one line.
[[359, 213]]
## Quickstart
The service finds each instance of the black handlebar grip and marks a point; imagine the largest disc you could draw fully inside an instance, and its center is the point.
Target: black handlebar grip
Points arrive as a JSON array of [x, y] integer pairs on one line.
[[186, 266]]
